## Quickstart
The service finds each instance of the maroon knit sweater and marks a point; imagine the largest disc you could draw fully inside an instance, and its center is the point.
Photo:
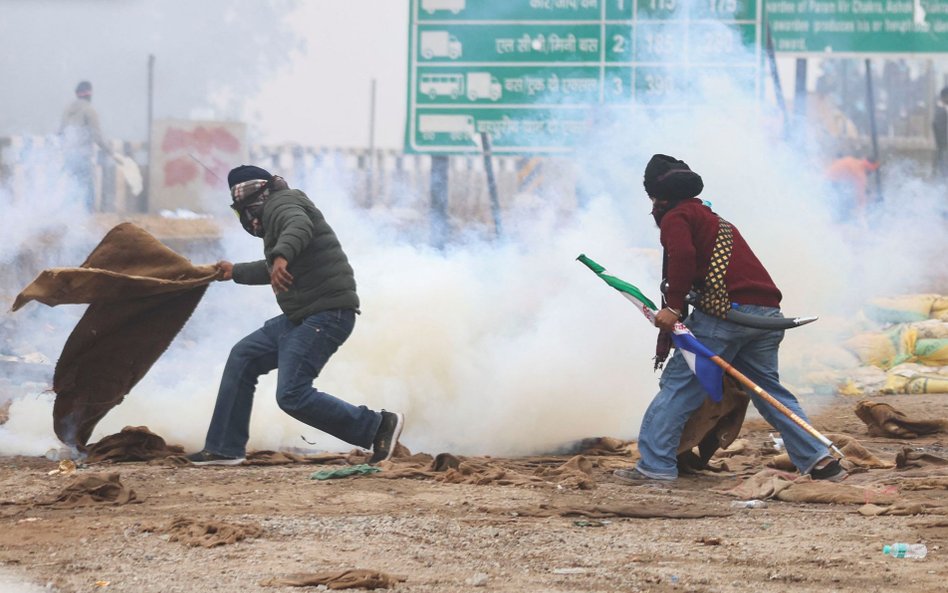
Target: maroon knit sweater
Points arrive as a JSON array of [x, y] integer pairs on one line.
[[688, 232]]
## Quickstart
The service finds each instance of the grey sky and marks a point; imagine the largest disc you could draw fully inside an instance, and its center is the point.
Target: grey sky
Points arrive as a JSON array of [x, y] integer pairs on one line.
[[296, 71]]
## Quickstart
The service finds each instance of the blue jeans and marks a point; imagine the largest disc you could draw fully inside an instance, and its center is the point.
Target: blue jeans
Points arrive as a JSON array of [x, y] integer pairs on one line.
[[298, 352], [79, 166], [751, 351]]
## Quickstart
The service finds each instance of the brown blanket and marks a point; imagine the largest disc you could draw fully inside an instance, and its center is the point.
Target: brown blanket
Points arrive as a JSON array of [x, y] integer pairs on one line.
[[207, 534], [355, 578], [885, 421], [92, 489], [140, 294], [712, 426], [134, 443]]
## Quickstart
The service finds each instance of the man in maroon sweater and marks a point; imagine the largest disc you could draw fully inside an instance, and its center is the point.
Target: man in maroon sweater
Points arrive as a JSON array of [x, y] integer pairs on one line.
[[703, 252]]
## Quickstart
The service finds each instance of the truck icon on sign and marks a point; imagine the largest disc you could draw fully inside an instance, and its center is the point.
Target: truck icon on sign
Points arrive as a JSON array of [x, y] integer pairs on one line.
[[481, 85], [454, 6], [439, 44], [461, 127]]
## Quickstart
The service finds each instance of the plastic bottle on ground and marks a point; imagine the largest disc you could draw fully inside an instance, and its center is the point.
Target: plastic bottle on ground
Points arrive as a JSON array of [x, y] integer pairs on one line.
[[748, 504], [900, 550]]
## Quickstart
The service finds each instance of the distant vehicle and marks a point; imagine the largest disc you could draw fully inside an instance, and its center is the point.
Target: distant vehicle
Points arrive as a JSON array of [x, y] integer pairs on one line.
[[439, 44], [481, 85], [441, 85], [459, 126], [454, 6]]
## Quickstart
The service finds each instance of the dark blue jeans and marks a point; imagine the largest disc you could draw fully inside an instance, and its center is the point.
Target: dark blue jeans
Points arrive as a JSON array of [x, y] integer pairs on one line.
[[751, 351], [298, 352]]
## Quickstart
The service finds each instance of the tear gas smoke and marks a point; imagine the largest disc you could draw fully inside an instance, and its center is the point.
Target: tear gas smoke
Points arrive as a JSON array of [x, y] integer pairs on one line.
[[511, 347]]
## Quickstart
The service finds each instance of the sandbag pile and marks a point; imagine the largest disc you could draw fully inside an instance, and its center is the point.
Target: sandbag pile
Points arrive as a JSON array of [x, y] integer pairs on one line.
[[907, 353]]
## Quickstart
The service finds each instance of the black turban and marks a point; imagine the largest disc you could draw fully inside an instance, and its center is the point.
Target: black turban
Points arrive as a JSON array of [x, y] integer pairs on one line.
[[667, 178], [246, 173]]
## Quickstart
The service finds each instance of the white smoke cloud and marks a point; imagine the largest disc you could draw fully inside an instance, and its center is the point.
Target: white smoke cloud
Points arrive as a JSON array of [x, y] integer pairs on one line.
[[508, 347]]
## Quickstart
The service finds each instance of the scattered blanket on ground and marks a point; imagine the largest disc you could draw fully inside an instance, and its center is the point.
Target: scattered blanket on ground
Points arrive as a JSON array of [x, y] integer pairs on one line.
[[904, 507], [805, 489], [884, 420], [638, 510], [855, 455], [133, 443], [348, 579], [575, 473], [92, 489], [936, 530], [772, 483], [924, 483], [286, 458], [595, 446], [207, 534], [711, 427], [140, 294], [907, 458]]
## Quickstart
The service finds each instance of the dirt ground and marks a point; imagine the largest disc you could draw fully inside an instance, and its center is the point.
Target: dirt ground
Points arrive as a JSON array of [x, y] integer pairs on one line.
[[463, 537]]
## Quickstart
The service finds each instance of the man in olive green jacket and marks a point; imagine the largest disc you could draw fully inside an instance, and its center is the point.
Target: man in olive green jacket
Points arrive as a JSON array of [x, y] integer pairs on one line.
[[316, 290]]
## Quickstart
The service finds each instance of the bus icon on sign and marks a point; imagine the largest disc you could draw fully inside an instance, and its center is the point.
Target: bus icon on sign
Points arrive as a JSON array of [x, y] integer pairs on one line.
[[441, 85], [461, 127], [480, 85], [430, 6], [439, 44]]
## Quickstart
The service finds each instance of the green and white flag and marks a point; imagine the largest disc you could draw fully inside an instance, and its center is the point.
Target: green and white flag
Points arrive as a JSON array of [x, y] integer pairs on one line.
[[629, 291], [698, 357]]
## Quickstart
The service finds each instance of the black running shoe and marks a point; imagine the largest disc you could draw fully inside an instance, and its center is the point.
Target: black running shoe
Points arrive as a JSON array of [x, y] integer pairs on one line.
[[383, 445], [208, 458], [832, 472]]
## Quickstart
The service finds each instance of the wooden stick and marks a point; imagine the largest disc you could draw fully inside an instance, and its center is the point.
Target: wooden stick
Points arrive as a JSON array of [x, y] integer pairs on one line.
[[729, 369]]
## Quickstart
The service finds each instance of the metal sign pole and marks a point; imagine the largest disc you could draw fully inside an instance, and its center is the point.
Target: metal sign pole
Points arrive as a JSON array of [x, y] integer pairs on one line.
[[778, 89], [871, 106], [439, 200], [143, 204], [491, 184], [370, 182]]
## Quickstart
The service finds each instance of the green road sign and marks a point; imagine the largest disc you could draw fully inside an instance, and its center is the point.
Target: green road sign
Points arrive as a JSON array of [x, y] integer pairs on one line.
[[860, 27], [535, 74]]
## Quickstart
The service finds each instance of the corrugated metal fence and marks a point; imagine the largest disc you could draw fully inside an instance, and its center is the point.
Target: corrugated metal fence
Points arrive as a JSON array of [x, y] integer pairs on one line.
[[383, 178]]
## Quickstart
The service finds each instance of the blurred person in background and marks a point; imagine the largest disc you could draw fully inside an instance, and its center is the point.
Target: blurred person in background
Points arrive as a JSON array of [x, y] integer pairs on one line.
[[316, 290], [849, 178], [80, 131]]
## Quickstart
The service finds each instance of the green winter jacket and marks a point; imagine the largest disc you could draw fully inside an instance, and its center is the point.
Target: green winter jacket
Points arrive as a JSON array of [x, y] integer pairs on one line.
[[322, 277]]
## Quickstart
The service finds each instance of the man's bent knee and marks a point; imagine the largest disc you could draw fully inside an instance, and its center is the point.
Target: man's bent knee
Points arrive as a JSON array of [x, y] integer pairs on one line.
[[292, 400]]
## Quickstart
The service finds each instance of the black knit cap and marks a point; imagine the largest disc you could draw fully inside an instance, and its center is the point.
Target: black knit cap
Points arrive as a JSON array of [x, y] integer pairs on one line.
[[84, 88], [246, 173], [668, 178]]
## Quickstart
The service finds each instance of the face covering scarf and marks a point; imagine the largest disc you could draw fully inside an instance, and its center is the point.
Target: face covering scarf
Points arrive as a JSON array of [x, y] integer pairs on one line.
[[249, 197]]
